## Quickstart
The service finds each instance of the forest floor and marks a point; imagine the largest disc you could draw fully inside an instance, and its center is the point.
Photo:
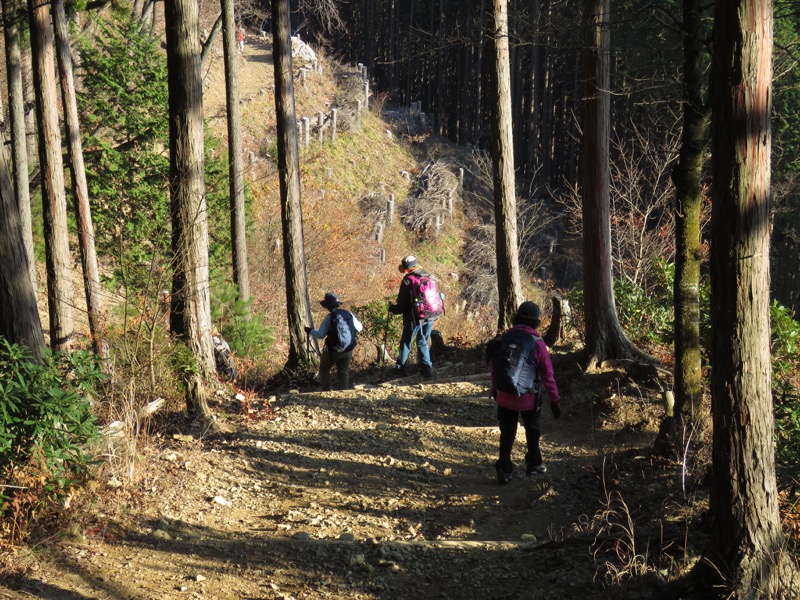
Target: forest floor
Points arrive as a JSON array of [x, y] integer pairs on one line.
[[384, 491]]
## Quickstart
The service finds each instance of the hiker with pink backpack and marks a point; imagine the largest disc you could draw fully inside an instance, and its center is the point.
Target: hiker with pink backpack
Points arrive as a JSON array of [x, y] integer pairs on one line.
[[420, 303]]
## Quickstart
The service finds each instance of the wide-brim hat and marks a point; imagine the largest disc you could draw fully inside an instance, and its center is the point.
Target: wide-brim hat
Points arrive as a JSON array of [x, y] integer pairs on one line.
[[331, 300]]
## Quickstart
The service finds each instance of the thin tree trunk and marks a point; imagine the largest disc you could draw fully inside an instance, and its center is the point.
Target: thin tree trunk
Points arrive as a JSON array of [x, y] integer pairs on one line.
[[80, 189], [190, 311], [688, 201], [209, 43], [241, 272], [19, 144], [60, 294], [298, 304], [19, 314], [509, 285]]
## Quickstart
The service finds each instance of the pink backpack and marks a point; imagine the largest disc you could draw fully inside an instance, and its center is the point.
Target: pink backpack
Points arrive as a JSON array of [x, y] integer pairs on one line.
[[428, 301]]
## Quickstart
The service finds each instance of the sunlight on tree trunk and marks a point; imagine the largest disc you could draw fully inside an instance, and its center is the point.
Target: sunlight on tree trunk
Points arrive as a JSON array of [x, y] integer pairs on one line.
[[241, 272], [19, 314], [747, 544], [604, 336], [91, 275], [16, 112], [509, 286], [298, 304], [190, 311], [60, 293]]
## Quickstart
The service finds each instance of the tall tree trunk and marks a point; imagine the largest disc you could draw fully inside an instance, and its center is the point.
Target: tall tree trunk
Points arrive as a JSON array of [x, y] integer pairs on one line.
[[298, 304], [19, 145], [604, 336], [80, 189], [509, 285], [746, 541], [688, 202], [19, 314], [241, 272], [60, 294], [190, 314]]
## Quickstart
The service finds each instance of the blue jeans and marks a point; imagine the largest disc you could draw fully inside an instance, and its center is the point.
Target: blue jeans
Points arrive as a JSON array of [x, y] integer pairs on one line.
[[421, 331]]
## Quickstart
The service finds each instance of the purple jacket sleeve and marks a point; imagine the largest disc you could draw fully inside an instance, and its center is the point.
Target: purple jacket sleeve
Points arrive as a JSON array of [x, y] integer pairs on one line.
[[546, 370]]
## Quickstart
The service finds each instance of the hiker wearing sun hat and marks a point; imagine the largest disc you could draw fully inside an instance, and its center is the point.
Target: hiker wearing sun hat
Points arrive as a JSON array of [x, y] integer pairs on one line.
[[417, 323], [339, 329]]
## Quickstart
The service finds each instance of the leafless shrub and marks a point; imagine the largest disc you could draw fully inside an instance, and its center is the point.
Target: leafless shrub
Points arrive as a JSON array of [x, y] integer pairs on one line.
[[325, 11], [430, 199], [373, 207], [480, 267], [642, 220], [535, 232]]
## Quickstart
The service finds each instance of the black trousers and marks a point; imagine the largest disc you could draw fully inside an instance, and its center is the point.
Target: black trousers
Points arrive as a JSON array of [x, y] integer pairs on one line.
[[508, 420]]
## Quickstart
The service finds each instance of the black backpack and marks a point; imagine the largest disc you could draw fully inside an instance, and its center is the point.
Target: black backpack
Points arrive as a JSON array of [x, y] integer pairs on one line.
[[341, 332], [513, 359]]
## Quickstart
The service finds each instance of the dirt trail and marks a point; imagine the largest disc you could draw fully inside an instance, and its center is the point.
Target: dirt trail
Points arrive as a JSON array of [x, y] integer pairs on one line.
[[386, 491]]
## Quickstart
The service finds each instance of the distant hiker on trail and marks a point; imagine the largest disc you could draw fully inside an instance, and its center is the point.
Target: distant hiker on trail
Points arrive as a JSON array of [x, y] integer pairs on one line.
[[519, 363], [339, 329], [240, 38], [420, 303], [223, 357]]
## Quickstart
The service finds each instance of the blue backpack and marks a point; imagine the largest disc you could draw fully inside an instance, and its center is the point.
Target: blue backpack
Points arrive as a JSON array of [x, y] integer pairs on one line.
[[513, 359], [341, 332]]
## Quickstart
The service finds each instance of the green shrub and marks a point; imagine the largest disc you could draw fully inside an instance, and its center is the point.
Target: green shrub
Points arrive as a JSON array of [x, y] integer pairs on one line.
[[249, 337], [785, 349], [380, 327], [46, 415]]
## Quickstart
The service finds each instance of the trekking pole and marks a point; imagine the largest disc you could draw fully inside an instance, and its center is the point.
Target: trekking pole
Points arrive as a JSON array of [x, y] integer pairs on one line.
[[383, 347]]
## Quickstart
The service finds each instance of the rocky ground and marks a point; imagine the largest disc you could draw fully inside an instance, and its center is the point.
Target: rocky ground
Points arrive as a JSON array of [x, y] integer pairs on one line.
[[385, 491]]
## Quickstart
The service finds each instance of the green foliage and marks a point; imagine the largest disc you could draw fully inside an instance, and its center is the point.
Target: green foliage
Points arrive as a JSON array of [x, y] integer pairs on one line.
[[785, 348], [124, 110], [46, 414], [248, 338], [380, 326]]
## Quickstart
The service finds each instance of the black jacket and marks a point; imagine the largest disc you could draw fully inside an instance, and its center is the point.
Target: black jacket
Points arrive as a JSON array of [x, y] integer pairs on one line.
[[404, 304]]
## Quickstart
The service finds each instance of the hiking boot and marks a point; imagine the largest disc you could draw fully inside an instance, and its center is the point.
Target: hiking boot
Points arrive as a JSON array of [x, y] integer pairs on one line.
[[400, 371], [426, 372], [534, 470], [503, 477]]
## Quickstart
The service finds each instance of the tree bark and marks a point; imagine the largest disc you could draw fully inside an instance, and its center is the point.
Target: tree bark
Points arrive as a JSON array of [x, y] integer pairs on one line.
[[746, 542], [509, 285], [19, 314], [91, 274], [190, 311], [60, 294], [604, 336], [19, 145], [688, 202], [241, 272], [298, 304]]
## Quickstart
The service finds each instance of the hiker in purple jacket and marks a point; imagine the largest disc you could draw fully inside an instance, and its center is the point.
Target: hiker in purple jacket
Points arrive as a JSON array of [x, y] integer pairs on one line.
[[527, 407]]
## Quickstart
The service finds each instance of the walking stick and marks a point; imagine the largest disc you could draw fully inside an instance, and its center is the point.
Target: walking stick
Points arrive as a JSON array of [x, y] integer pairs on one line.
[[383, 347]]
